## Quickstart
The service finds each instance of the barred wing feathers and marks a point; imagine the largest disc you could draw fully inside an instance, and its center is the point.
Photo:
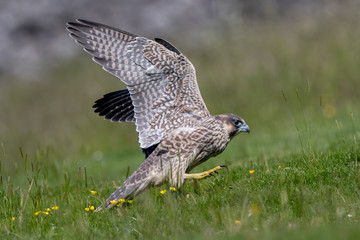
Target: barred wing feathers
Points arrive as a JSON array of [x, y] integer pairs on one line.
[[161, 80]]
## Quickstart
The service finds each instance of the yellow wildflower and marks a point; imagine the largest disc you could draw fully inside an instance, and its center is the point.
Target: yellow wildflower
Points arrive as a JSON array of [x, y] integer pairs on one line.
[[48, 210], [252, 171], [37, 213], [46, 213], [130, 201], [13, 218], [279, 167], [118, 205], [163, 191], [55, 208], [92, 208], [87, 209], [122, 200], [93, 192], [173, 189], [113, 201], [237, 221]]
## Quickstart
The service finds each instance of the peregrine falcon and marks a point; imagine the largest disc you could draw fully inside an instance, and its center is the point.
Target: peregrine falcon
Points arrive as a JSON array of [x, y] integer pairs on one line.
[[176, 130]]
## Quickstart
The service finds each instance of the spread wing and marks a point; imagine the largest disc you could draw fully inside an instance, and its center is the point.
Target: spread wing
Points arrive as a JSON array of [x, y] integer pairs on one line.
[[160, 79]]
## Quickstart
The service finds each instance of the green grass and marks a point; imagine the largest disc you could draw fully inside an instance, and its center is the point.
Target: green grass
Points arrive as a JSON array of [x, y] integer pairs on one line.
[[295, 84]]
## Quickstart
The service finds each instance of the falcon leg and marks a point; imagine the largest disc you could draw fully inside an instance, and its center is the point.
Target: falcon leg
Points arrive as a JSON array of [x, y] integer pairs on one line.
[[202, 175]]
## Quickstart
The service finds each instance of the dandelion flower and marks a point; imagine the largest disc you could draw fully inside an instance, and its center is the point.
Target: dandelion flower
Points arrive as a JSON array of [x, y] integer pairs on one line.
[[237, 221], [130, 201], [252, 171], [92, 208], [113, 202], [93, 192], [48, 210], [163, 191], [13, 218], [55, 208], [87, 209], [46, 213], [173, 189], [37, 213], [122, 200]]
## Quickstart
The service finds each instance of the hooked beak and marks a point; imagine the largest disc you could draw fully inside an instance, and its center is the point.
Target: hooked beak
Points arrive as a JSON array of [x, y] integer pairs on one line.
[[245, 128]]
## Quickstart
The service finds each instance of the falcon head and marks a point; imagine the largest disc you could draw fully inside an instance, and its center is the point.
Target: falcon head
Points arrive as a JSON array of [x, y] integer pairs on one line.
[[233, 124]]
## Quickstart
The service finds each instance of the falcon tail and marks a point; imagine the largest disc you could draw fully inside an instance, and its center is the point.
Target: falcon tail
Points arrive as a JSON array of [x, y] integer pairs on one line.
[[116, 197], [142, 178]]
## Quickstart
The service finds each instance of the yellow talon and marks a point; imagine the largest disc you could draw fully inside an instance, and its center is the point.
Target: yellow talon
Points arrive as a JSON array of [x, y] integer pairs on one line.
[[202, 175]]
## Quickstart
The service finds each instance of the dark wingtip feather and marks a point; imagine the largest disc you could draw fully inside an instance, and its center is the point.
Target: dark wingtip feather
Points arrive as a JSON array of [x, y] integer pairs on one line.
[[116, 106], [149, 150], [167, 45]]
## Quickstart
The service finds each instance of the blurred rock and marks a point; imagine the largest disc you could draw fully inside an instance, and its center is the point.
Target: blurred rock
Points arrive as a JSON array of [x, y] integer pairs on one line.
[[33, 37]]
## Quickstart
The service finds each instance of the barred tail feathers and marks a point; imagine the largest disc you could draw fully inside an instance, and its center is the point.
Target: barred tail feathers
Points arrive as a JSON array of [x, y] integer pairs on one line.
[[143, 177], [123, 192]]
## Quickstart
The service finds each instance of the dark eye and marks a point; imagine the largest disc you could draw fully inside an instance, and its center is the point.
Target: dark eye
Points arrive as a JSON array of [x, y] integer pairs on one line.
[[237, 123]]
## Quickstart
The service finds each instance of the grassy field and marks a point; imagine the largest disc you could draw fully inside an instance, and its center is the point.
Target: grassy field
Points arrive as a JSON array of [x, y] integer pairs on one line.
[[297, 175]]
